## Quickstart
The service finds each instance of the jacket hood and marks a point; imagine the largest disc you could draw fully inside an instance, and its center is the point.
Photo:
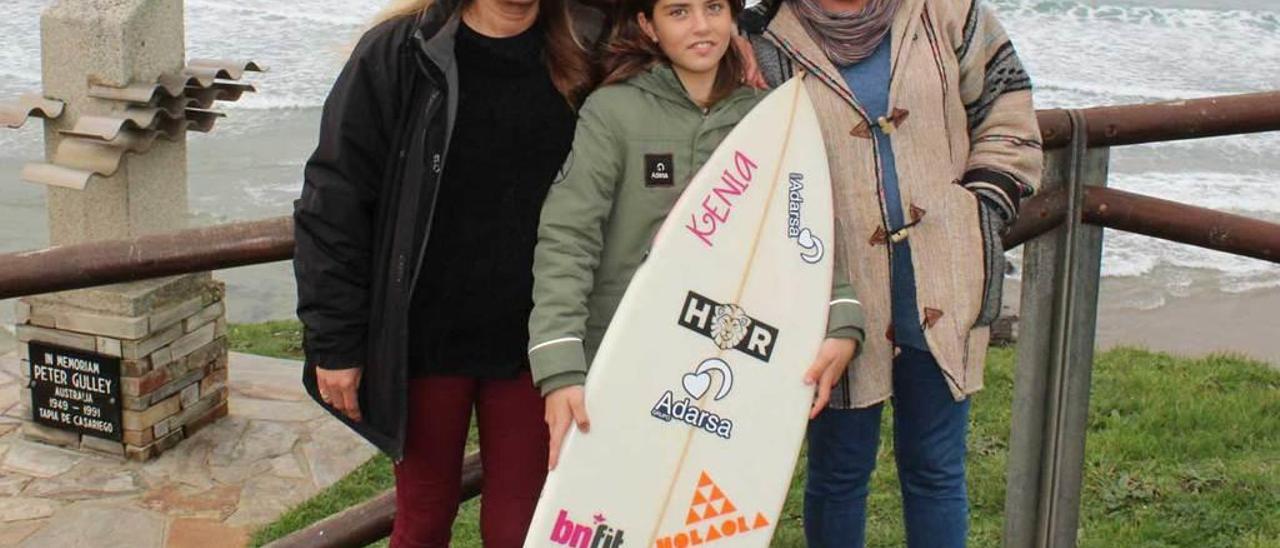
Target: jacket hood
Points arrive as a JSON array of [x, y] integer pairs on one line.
[[661, 81]]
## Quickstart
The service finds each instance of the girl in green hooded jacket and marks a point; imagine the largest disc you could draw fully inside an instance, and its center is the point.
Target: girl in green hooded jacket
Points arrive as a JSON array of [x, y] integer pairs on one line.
[[672, 79]]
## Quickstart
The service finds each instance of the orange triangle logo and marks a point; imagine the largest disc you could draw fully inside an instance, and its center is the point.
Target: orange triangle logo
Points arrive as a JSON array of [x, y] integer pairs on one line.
[[711, 512], [702, 498], [692, 518]]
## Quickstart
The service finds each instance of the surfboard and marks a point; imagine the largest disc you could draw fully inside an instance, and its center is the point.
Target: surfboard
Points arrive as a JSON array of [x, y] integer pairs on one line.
[[696, 396]]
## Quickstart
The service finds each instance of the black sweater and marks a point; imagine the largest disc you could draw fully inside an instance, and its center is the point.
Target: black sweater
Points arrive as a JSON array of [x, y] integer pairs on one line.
[[471, 307]]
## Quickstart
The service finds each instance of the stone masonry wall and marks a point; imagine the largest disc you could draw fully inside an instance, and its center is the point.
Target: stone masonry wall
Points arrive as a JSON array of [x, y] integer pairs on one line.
[[171, 338]]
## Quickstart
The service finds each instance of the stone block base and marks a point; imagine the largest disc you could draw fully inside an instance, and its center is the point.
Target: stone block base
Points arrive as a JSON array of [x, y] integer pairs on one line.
[[170, 336]]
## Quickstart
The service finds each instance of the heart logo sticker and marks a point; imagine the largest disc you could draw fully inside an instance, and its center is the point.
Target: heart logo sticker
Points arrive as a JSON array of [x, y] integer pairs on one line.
[[805, 239], [812, 246], [697, 384]]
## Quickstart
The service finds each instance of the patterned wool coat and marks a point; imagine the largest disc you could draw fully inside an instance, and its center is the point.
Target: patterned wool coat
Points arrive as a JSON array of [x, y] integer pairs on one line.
[[967, 148]]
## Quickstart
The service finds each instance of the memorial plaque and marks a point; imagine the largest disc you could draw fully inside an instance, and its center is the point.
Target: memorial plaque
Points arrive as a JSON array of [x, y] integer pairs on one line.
[[75, 390]]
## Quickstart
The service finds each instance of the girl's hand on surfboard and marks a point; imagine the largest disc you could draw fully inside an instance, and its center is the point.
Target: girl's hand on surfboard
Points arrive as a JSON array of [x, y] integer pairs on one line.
[[338, 389], [564, 406], [833, 359]]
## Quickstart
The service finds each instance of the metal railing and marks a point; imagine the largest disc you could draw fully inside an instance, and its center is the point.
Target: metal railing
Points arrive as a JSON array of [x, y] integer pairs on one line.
[[271, 240], [1061, 227]]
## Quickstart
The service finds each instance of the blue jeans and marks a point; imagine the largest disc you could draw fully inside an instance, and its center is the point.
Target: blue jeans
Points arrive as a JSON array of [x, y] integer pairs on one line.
[[929, 430]]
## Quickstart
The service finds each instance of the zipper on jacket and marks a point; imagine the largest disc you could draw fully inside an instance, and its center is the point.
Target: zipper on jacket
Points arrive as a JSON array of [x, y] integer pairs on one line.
[[701, 130], [437, 168], [432, 103], [437, 160], [705, 113]]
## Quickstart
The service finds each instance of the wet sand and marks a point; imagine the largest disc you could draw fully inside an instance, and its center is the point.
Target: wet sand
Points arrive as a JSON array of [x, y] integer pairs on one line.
[[1204, 321]]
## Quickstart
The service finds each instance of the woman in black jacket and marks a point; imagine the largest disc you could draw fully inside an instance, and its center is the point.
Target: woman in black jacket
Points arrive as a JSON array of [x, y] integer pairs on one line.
[[415, 234]]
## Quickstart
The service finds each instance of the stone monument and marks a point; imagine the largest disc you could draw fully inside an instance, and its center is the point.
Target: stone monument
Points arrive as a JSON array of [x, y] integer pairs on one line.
[[128, 369]]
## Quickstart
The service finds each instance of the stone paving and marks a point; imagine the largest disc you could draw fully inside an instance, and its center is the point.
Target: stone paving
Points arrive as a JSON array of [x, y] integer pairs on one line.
[[276, 448]]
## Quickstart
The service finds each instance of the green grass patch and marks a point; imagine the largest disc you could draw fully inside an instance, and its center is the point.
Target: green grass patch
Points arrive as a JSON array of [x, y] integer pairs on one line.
[[282, 339], [1181, 452], [364, 483]]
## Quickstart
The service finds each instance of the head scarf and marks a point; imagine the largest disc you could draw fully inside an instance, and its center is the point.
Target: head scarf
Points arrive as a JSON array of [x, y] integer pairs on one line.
[[848, 36]]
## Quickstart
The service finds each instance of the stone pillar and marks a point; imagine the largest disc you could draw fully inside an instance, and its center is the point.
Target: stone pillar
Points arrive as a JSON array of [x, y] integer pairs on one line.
[[128, 153], [114, 43]]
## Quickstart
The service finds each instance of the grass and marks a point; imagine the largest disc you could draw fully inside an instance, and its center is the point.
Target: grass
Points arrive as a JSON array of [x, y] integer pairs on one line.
[[364, 483], [281, 339], [1181, 452]]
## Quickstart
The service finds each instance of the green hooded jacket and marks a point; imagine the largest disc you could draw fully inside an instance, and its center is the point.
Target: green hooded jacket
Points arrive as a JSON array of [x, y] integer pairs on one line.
[[602, 213]]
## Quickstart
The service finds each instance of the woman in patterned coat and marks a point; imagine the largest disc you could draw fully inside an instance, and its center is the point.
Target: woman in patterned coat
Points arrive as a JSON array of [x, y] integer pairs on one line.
[[933, 142]]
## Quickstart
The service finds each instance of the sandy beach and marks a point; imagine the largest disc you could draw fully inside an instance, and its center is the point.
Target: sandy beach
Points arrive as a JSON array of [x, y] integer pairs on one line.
[[1204, 323], [1201, 322]]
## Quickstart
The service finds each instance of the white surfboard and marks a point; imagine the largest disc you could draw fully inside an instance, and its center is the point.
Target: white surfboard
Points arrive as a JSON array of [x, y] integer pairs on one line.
[[696, 396]]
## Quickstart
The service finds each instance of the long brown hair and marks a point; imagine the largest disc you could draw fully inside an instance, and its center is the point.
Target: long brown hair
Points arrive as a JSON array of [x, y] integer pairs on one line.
[[566, 57], [630, 51]]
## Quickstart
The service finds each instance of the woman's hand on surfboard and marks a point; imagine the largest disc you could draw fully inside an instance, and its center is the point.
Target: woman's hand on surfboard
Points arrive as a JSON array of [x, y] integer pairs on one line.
[[338, 389], [564, 406], [833, 359]]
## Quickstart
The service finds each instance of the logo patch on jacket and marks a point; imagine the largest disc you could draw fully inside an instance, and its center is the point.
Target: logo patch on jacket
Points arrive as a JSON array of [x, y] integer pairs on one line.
[[659, 170]]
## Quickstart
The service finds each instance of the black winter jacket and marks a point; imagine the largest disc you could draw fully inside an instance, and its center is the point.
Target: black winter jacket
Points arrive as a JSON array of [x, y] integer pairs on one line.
[[367, 198], [362, 223]]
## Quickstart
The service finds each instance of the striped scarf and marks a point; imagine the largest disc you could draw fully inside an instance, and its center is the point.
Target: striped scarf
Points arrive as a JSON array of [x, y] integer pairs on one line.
[[848, 36]]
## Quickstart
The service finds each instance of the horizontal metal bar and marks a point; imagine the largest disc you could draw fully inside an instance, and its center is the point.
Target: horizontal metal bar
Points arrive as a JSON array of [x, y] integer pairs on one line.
[[371, 520], [100, 263], [1149, 216], [1176, 222], [1167, 121], [270, 240], [1038, 215]]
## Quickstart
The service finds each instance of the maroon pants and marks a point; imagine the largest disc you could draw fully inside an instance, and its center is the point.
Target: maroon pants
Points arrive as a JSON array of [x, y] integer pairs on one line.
[[513, 453]]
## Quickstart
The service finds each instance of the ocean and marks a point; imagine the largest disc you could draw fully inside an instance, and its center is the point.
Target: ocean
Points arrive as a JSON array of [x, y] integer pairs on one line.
[[1079, 53]]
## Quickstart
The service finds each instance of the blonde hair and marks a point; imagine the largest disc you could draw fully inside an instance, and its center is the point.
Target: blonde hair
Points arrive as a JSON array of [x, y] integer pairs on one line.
[[399, 8]]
